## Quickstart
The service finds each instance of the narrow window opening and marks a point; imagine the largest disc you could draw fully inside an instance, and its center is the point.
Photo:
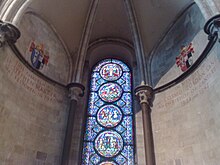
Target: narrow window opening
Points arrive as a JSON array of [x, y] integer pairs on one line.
[[109, 134]]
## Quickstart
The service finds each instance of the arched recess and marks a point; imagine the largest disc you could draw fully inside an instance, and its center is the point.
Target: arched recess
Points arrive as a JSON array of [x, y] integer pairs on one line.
[[17, 12], [109, 134], [164, 54], [59, 67], [98, 50], [110, 48]]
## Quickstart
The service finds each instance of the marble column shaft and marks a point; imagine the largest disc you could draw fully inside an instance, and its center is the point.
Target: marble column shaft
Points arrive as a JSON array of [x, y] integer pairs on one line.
[[9, 33], [76, 91], [145, 96]]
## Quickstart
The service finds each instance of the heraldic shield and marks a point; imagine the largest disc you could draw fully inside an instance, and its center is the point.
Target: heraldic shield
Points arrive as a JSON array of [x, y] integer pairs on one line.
[[39, 57], [185, 59]]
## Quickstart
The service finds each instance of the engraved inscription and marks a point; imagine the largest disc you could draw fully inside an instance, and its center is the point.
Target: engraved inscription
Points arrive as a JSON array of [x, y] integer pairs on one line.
[[17, 72], [190, 88]]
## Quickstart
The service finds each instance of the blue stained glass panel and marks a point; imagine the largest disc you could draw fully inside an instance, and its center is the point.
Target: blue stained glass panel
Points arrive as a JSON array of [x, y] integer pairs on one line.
[[92, 111], [121, 159], [120, 103], [95, 159], [108, 143], [100, 81], [127, 85], [88, 151], [125, 103], [128, 134], [93, 108], [110, 92], [111, 72], [124, 67], [121, 81], [108, 138], [94, 85], [90, 133], [109, 116], [99, 103], [98, 67], [128, 152], [92, 99], [120, 129]]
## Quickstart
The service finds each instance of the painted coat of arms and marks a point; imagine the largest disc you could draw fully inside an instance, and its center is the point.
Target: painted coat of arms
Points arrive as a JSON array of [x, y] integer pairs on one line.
[[185, 59], [39, 57]]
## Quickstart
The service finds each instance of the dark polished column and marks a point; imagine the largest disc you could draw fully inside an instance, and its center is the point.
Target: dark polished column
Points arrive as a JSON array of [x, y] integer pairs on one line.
[[212, 27], [8, 33], [76, 91], [145, 95]]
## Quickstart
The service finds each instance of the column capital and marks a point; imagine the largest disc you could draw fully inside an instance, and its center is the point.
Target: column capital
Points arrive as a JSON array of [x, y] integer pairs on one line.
[[8, 33], [76, 90], [145, 94], [212, 26]]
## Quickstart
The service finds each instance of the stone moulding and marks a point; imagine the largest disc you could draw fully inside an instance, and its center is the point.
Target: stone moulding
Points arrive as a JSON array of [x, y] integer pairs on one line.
[[213, 26], [76, 89], [212, 29], [41, 75], [9, 33]]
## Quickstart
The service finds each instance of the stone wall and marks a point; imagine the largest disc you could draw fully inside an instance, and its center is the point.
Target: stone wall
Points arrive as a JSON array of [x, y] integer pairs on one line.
[[186, 117], [42, 49], [182, 32], [33, 115]]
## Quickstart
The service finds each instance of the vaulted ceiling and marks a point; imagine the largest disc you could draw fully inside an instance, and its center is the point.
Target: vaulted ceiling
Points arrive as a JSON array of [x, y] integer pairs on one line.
[[69, 18]]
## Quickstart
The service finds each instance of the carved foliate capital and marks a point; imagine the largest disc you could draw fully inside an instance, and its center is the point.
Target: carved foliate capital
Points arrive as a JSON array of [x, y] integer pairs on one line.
[[76, 90], [212, 26], [145, 94], [8, 33]]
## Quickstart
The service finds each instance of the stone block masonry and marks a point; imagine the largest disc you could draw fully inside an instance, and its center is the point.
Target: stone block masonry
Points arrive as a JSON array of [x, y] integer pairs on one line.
[[33, 115]]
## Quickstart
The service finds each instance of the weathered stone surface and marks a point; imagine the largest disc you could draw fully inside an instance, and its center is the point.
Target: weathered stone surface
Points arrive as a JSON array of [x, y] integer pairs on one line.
[[41, 156], [34, 29], [181, 34], [33, 115], [186, 117]]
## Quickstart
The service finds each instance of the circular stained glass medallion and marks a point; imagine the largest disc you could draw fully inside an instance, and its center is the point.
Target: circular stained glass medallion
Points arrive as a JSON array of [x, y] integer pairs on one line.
[[109, 116], [108, 163], [110, 92], [111, 72], [108, 143]]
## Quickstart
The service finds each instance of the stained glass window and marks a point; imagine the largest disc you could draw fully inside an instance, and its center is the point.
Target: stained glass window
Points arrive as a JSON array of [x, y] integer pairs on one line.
[[108, 138]]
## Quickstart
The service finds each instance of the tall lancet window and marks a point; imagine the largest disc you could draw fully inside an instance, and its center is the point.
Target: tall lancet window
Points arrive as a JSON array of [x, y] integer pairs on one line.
[[108, 138]]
